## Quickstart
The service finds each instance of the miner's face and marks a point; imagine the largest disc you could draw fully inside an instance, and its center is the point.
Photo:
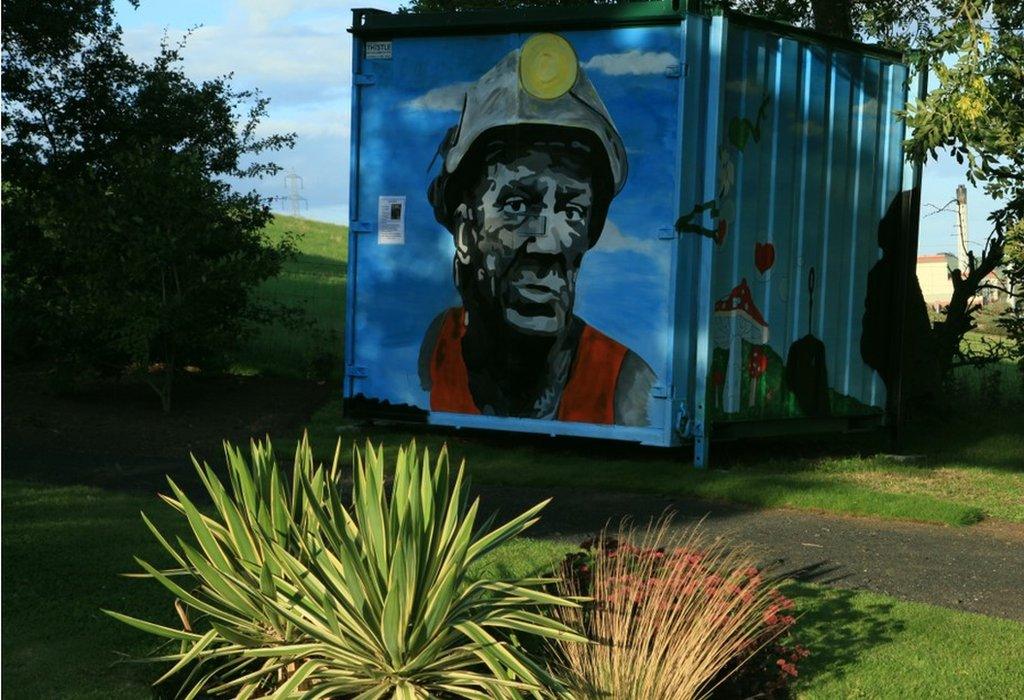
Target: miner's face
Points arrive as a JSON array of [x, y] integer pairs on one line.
[[523, 235]]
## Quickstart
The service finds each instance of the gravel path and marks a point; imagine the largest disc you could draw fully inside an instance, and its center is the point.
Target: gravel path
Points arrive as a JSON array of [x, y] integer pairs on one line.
[[979, 569]]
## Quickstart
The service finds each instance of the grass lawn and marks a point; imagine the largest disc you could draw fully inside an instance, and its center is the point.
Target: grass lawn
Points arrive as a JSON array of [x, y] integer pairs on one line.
[[315, 282], [974, 466], [63, 546], [865, 645], [971, 469]]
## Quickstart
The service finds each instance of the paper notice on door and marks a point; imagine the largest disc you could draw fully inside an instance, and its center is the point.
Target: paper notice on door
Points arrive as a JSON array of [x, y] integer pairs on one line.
[[391, 221]]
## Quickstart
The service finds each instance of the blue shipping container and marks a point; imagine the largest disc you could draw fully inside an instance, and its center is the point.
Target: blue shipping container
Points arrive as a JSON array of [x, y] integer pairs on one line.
[[637, 224]]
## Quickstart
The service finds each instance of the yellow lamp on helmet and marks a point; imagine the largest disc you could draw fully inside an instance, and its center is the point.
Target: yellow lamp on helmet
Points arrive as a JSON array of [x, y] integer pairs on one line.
[[539, 85], [548, 66]]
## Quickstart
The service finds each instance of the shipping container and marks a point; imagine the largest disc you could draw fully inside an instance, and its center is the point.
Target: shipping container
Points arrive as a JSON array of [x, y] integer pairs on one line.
[[630, 222]]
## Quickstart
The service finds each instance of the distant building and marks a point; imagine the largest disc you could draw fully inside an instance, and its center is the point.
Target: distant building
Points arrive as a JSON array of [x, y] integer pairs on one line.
[[933, 274]]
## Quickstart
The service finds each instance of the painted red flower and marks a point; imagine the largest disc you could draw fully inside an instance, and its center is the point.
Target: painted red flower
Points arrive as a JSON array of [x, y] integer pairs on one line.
[[721, 232], [764, 256]]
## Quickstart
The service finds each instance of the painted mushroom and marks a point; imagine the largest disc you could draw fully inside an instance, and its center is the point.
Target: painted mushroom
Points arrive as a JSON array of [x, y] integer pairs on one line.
[[737, 319], [756, 369]]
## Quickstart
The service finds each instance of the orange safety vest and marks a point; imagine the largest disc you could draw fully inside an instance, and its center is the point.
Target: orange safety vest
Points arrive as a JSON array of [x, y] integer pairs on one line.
[[588, 396]]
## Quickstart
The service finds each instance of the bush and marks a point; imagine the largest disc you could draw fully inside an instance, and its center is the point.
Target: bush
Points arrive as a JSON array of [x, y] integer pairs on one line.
[[674, 617], [286, 590], [129, 246]]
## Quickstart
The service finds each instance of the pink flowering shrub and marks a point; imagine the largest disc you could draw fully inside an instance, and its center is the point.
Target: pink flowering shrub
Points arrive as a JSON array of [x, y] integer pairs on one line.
[[761, 664]]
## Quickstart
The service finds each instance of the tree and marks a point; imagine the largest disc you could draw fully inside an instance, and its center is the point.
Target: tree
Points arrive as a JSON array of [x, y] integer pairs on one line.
[[125, 247], [974, 51], [976, 114]]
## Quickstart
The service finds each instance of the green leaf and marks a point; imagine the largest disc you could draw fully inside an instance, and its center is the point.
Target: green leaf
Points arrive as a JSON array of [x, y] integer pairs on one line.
[[190, 656], [152, 627], [291, 685]]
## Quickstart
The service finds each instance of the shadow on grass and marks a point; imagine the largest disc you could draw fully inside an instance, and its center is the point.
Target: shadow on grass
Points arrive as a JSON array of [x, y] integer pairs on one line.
[[838, 627], [311, 346], [991, 443], [63, 548], [536, 461]]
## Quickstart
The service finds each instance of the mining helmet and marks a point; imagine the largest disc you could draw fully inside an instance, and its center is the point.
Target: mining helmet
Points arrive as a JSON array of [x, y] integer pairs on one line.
[[540, 85]]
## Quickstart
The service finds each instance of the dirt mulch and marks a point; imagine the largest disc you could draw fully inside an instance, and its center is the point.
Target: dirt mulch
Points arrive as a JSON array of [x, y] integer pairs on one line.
[[123, 421]]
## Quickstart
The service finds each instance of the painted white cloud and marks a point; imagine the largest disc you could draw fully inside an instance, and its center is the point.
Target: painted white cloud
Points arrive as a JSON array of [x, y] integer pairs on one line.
[[633, 62], [447, 98], [613, 240]]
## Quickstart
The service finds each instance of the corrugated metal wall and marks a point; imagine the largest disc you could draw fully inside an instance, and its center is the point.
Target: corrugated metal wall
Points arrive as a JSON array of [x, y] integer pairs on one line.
[[809, 162]]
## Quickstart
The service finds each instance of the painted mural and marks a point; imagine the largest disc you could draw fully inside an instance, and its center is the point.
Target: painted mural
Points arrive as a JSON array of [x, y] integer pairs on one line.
[[552, 199], [804, 178], [528, 175], [531, 279]]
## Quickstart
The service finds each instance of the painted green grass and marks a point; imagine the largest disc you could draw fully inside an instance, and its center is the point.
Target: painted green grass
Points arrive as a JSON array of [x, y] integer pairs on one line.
[[971, 469], [64, 546], [315, 282]]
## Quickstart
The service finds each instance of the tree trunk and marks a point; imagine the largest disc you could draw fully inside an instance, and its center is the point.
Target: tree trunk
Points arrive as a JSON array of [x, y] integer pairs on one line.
[[168, 384], [833, 17], [949, 333]]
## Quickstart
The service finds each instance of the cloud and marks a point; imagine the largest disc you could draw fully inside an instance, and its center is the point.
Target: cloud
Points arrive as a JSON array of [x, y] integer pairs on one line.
[[613, 240], [633, 62], [325, 120], [447, 98], [266, 14], [283, 56]]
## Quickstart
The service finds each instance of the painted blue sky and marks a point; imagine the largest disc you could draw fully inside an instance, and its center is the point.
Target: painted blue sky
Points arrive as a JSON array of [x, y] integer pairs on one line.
[[298, 53]]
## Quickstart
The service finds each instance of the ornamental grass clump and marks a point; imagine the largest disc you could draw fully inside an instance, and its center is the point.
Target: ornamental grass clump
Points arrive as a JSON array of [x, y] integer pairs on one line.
[[285, 591], [671, 614]]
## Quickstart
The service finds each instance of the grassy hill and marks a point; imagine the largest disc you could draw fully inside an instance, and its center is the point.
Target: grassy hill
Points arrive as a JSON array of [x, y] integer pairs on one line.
[[315, 282]]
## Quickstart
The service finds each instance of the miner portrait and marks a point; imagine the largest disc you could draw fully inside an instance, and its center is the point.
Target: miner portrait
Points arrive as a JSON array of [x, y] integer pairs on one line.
[[527, 177]]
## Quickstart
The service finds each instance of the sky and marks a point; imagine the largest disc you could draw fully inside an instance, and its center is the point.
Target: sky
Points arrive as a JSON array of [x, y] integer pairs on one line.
[[298, 52]]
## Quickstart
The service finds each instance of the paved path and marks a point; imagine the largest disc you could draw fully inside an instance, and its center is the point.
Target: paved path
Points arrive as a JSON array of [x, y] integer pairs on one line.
[[979, 568]]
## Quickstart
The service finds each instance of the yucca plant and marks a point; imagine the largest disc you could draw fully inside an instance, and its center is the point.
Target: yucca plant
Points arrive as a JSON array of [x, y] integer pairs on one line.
[[287, 592], [671, 614]]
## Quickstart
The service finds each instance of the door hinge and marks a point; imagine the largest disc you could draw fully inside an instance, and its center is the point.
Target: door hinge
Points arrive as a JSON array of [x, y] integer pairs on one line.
[[355, 371], [363, 79], [660, 391], [360, 227], [666, 233], [674, 71]]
